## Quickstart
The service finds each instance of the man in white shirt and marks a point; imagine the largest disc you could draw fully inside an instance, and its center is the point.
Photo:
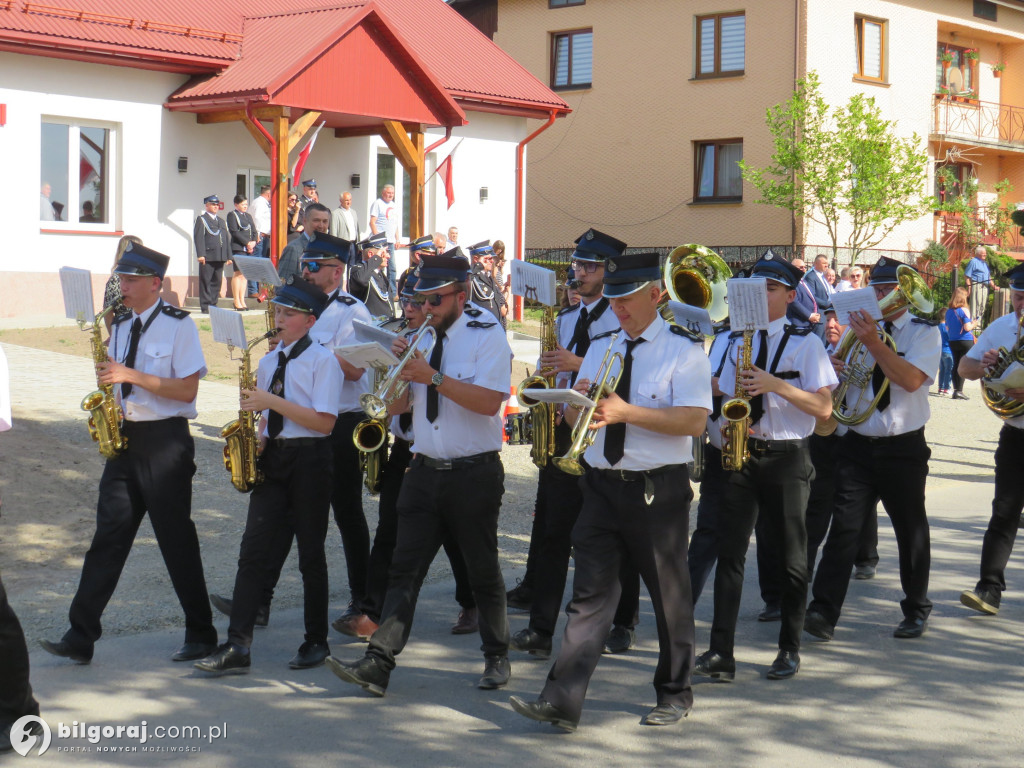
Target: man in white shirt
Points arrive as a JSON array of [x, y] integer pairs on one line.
[[386, 217], [261, 214]]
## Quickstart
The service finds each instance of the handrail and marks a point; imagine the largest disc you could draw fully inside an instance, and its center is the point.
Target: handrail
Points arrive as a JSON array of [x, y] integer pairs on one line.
[[980, 121]]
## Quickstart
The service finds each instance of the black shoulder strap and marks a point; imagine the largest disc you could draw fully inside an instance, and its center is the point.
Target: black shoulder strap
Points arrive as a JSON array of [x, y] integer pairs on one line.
[[478, 324], [347, 300], [606, 334], [175, 312], [786, 333], [472, 312], [924, 321], [686, 333]]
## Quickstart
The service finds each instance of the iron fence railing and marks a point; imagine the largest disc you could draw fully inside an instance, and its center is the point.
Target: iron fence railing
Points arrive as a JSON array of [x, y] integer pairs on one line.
[[974, 120]]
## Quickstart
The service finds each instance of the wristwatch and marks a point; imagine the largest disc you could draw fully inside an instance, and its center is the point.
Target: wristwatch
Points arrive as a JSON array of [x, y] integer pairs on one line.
[[437, 380]]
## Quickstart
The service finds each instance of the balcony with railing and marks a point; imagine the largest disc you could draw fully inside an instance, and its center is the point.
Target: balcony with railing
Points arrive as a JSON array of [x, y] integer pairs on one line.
[[964, 119]]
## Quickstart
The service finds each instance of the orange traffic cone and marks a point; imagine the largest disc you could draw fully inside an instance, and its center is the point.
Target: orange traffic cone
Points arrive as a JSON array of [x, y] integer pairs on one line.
[[511, 407]]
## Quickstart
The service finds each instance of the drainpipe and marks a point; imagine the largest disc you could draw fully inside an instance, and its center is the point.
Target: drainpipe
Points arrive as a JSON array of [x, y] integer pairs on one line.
[[517, 312], [438, 143], [273, 164]]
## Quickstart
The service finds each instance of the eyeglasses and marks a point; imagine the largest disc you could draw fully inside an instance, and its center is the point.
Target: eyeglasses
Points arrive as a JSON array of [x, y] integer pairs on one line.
[[433, 299], [314, 266], [586, 266]]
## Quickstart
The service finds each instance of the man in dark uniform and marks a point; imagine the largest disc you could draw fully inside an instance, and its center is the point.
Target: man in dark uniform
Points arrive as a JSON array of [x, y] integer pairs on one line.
[[455, 480], [884, 457], [213, 248], [484, 292], [156, 362], [418, 248], [636, 496], [368, 280], [308, 198]]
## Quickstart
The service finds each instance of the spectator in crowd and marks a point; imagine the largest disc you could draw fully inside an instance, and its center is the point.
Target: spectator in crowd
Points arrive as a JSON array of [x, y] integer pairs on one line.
[[244, 237], [46, 211], [88, 213], [844, 280], [318, 220], [261, 214], [386, 216], [500, 277], [440, 242], [345, 220], [213, 249], [295, 225], [960, 327], [453, 238], [979, 283]]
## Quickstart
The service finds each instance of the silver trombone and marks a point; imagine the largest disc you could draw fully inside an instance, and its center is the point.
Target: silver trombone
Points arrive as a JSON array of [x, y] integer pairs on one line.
[[375, 404]]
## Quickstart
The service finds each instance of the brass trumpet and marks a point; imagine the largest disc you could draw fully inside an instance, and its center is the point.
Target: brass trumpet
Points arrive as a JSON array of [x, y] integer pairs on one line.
[[582, 435], [375, 404]]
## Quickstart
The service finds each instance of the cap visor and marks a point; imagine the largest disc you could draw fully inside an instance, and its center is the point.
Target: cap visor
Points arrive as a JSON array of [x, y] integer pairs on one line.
[[619, 290]]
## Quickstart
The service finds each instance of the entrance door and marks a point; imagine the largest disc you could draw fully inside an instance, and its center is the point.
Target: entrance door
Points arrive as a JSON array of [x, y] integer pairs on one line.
[[249, 181]]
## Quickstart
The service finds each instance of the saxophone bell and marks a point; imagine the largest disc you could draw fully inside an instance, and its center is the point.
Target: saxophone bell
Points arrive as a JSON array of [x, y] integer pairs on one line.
[[241, 441], [105, 414]]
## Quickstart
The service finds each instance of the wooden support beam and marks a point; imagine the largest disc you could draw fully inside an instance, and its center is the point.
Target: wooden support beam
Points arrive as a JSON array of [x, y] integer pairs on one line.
[[298, 130], [259, 137], [279, 194], [408, 150], [230, 115], [398, 142], [357, 130]]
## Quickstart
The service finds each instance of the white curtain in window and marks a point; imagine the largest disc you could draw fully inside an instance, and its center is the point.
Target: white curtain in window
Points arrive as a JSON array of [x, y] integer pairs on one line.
[[730, 182]]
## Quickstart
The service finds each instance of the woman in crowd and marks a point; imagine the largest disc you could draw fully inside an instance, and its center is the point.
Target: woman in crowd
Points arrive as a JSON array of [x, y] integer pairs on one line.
[[959, 326]]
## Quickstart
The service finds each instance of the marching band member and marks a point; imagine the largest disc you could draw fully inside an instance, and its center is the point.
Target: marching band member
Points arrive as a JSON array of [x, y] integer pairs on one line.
[[885, 457], [636, 497], [484, 291], [418, 248], [368, 279], [1009, 494]]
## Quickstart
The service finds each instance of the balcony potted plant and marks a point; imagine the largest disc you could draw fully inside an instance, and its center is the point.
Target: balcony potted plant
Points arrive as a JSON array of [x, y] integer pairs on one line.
[[946, 57], [941, 92], [997, 69], [971, 54]]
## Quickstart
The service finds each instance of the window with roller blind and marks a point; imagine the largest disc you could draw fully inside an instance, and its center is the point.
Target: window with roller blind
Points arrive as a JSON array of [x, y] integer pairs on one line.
[[572, 59], [721, 44], [871, 40]]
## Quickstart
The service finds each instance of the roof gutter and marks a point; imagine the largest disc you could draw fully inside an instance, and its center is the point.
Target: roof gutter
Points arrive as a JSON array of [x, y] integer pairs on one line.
[[517, 312]]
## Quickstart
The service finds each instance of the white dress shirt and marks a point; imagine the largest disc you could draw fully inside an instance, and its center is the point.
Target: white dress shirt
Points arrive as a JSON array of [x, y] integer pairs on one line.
[[260, 210], [334, 329], [565, 326], [668, 370], [311, 380], [1000, 333], [168, 348]]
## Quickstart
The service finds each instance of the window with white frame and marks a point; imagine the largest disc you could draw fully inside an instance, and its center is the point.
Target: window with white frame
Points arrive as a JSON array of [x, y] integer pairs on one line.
[[76, 174]]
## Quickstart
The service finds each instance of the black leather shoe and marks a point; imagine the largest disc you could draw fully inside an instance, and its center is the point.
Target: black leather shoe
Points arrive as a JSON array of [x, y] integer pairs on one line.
[[543, 712], [863, 572], [223, 604], [665, 714], [712, 664], [310, 655], [519, 598], [619, 640], [786, 664], [981, 600], [532, 642], [497, 671], [193, 651], [817, 625], [910, 628], [65, 649], [960, 396], [229, 659], [770, 613], [366, 673]]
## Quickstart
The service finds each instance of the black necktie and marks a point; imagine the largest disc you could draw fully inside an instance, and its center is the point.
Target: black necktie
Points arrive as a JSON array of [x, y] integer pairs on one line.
[[615, 438], [579, 332], [435, 363], [133, 349], [275, 421], [878, 377], [405, 421], [757, 402]]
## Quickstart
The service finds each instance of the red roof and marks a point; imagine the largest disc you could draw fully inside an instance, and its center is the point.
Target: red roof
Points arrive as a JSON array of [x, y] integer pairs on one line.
[[441, 48]]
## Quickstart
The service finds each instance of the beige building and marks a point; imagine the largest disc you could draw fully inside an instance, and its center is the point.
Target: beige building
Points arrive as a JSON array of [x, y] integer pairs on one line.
[[668, 94]]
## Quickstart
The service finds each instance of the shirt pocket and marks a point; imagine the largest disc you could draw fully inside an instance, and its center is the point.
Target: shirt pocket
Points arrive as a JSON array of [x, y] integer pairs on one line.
[[156, 359], [462, 372], [654, 394]]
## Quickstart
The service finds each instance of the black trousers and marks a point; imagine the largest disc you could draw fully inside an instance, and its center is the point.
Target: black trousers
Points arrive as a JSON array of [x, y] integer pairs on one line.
[[959, 349], [703, 552], [1006, 509], [893, 470], [16, 699], [153, 475], [387, 534], [347, 502], [210, 283], [772, 486], [292, 501], [434, 503], [616, 522]]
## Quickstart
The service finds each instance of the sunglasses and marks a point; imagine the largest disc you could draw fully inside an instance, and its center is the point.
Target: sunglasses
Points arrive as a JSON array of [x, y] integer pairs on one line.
[[433, 299], [585, 266], [407, 302], [314, 266]]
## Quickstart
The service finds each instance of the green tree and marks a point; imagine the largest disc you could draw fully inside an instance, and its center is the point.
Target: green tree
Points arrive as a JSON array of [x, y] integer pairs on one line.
[[845, 168]]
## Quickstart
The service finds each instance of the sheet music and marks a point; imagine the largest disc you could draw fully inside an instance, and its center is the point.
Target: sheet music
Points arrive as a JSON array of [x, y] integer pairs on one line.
[[570, 396], [228, 327], [748, 303], [76, 285], [368, 332], [1013, 378], [692, 318], [368, 355], [533, 282], [845, 302], [257, 269]]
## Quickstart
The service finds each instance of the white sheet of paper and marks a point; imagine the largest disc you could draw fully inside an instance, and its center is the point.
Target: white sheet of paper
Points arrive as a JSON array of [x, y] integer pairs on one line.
[[533, 282], [77, 287], [368, 332], [748, 303], [368, 355], [257, 268], [846, 302], [692, 318], [570, 396], [1012, 379], [228, 327]]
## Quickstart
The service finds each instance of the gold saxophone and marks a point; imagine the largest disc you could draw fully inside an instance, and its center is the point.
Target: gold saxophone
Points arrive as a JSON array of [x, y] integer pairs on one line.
[[1002, 406], [105, 415], [542, 415], [736, 413], [242, 441], [370, 437]]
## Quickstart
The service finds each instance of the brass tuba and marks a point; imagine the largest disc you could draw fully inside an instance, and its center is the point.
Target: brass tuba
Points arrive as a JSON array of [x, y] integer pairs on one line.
[[105, 415], [242, 442], [736, 413], [542, 415], [697, 276], [912, 292], [1002, 406], [582, 435]]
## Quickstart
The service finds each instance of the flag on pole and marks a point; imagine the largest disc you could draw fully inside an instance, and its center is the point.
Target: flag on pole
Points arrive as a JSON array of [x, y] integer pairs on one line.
[[445, 169], [300, 161]]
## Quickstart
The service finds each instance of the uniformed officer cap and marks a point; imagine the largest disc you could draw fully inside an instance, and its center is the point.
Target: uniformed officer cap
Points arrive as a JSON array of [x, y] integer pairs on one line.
[[884, 271], [1015, 276], [324, 246], [438, 270], [773, 267], [423, 244], [481, 249], [211, 199], [626, 274], [300, 295], [597, 246], [409, 287], [379, 240], [309, 183], [140, 260]]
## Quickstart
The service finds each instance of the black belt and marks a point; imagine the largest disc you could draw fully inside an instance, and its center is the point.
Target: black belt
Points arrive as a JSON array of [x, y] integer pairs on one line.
[[886, 438], [633, 475], [294, 442], [757, 445], [490, 457]]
